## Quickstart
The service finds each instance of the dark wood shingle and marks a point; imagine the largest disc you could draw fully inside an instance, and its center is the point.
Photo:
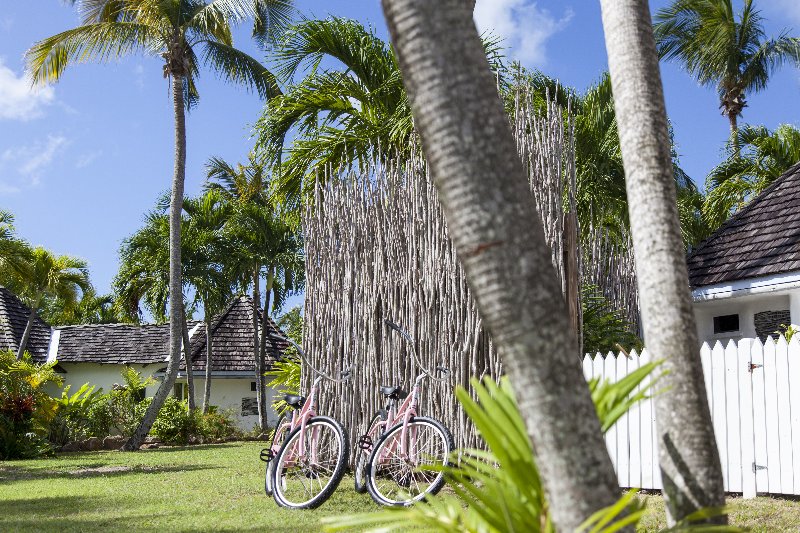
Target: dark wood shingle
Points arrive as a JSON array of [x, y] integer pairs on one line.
[[762, 239]]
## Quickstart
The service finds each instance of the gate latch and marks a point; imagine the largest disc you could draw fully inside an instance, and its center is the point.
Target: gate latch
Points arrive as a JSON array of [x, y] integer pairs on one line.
[[758, 467], [752, 366]]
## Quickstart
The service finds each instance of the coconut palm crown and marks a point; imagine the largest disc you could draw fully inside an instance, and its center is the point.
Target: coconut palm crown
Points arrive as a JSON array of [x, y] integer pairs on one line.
[[719, 48], [46, 275], [765, 156]]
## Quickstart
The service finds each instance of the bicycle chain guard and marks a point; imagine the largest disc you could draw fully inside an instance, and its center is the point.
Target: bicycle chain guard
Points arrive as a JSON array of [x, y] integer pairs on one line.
[[365, 442], [267, 455]]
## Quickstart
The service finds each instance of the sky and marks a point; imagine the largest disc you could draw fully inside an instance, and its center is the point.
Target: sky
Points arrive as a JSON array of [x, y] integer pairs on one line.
[[82, 161]]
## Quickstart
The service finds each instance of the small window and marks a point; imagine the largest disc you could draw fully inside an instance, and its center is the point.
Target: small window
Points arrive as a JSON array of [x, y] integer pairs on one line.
[[726, 324], [181, 391], [252, 386]]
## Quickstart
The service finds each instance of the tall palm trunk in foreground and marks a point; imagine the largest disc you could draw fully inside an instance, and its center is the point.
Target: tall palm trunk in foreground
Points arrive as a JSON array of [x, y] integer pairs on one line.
[[209, 360], [688, 453], [176, 315], [500, 242]]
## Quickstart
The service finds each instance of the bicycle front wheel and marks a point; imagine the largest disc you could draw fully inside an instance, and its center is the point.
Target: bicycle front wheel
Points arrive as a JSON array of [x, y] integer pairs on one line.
[[398, 471], [363, 453], [310, 464]]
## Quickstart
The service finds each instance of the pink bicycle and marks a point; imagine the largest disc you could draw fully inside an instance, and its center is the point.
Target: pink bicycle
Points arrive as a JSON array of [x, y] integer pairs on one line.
[[309, 453], [396, 453]]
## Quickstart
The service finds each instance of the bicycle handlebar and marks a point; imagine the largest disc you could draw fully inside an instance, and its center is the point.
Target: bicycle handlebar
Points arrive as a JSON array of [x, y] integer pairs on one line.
[[344, 374], [407, 336]]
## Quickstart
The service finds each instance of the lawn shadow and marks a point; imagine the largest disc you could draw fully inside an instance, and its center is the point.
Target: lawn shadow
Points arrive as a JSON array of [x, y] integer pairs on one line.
[[10, 474], [58, 514]]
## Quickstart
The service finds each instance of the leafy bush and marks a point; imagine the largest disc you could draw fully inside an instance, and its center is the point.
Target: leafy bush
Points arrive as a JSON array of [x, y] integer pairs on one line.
[[214, 425], [72, 420], [174, 424], [605, 329], [286, 379], [25, 409], [126, 405]]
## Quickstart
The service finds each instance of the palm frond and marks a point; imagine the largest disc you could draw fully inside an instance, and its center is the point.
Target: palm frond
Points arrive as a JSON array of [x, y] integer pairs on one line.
[[103, 41], [238, 67]]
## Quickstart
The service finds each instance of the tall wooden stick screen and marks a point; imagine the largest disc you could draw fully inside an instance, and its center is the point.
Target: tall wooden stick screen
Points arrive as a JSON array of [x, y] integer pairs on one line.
[[377, 246]]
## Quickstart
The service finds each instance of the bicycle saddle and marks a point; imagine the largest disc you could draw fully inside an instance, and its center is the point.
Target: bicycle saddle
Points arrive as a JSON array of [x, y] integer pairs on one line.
[[394, 393], [293, 401]]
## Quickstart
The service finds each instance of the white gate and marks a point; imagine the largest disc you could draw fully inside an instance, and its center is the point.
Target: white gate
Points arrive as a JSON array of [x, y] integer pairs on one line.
[[754, 396]]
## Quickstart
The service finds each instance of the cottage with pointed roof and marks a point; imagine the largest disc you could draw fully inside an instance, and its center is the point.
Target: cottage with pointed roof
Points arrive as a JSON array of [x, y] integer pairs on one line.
[[96, 353], [745, 278]]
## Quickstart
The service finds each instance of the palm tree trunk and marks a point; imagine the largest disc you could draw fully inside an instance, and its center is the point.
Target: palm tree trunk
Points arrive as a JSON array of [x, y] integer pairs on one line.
[[500, 242], [688, 453], [259, 364], [209, 361], [175, 286], [23, 344], [733, 122], [263, 409], [187, 357]]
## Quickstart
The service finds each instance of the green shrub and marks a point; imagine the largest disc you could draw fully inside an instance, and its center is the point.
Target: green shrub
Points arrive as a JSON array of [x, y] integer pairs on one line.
[[72, 420], [25, 409], [214, 425], [174, 424]]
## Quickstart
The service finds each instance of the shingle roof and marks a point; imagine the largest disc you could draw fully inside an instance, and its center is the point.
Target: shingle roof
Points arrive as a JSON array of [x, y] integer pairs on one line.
[[114, 343], [762, 239], [232, 336], [13, 319]]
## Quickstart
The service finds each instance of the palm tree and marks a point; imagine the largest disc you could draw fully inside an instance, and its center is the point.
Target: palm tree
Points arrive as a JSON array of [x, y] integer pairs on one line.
[[186, 34], [688, 454], [91, 309], [205, 251], [143, 278], [341, 117], [483, 189], [718, 48], [46, 275], [264, 244], [14, 253], [765, 156]]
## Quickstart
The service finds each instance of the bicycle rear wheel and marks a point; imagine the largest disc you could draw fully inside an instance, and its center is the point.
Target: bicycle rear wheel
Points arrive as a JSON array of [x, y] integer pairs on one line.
[[397, 471], [306, 474]]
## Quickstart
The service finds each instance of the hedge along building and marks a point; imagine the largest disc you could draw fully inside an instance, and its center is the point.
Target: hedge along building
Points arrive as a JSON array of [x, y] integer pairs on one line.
[[746, 277], [97, 353]]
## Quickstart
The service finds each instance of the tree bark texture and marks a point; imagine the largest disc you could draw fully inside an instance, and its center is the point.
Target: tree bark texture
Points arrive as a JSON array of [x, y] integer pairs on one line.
[[263, 407], [176, 314], [688, 453], [209, 361], [26, 335], [187, 356], [500, 242], [259, 365]]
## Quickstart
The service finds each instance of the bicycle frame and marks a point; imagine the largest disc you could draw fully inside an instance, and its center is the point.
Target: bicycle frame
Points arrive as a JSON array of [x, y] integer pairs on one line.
[[404, 414], [299, 418]]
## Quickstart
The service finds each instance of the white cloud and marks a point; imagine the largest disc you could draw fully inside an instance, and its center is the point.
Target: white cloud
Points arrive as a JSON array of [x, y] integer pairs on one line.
[[87, 159], [523, 26], [32, 160], [18, 101]]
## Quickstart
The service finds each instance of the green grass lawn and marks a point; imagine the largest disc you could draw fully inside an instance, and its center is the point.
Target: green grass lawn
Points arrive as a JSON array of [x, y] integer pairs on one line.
[[217, 487]]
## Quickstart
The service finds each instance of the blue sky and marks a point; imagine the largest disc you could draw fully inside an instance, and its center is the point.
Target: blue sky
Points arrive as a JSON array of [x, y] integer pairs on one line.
[[83, 160]]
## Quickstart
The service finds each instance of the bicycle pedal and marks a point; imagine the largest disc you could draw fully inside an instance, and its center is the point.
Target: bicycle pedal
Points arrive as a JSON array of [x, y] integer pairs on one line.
[[266, 455], [365, 442]]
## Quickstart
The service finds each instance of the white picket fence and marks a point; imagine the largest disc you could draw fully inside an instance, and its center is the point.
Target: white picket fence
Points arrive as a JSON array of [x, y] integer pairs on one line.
[[754, 396]]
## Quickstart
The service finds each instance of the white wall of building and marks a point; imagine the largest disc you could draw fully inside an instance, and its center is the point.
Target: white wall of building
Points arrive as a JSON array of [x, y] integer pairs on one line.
[[227, 392], [746, 307]]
